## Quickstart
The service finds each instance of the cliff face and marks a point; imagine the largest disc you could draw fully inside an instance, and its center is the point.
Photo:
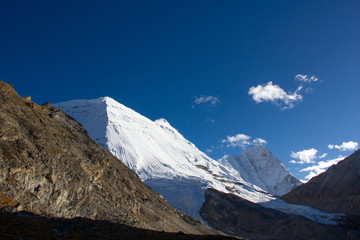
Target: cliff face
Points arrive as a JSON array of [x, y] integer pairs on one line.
[[52, 167], [336, 190]]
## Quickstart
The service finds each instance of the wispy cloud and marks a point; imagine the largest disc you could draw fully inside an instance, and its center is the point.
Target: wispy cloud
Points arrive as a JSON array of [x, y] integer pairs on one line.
[[273, 93], [320, 167], [207, 99], [242, 140], [345, 146], [304, 156], [323, 155], [259, 141], [305, 78]]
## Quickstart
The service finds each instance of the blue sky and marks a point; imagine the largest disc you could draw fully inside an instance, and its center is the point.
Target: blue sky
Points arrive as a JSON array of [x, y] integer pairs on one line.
[[194, 63]]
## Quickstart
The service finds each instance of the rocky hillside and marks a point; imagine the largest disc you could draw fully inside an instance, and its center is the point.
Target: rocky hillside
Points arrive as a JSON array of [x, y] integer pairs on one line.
[[240, 217], [52, 167], [336, 190]]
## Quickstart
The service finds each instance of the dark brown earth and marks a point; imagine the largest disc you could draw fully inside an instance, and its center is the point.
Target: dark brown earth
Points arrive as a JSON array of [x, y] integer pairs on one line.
[[336, 190], [24, 225], [239, 217], [51, 167]]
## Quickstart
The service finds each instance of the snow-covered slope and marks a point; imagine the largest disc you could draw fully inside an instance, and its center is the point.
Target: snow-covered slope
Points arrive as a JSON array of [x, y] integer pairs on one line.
[[161, 156], [260, 167]]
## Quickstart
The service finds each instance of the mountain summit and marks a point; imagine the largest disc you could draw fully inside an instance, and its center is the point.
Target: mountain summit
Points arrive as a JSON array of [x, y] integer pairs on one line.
[[158, 153], [259, 166], [176, 168]]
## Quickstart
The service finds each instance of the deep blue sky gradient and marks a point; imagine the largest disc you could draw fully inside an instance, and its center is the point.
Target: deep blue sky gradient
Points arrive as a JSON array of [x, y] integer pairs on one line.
[[157, 56]]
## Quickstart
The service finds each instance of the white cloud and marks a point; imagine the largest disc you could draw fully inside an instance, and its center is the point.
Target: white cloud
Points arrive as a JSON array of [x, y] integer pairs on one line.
[[304, 156], [238, 140], [207, 99], [320, 167], [275, 94], [259, 141], [345, 146], [305, 78], [323, 155], [242, 140]]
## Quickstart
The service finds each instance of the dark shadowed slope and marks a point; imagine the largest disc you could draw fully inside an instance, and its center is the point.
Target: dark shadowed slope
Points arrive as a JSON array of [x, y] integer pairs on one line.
[[26, 225], [336, 190], [52, 167], [237, 216]]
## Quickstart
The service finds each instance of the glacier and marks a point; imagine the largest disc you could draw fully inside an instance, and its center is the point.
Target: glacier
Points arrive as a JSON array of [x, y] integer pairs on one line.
[[176, 168]]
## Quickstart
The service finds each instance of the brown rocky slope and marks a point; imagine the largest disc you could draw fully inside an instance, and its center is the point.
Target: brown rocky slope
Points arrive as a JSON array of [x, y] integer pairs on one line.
[[52, 167], [336, 190]]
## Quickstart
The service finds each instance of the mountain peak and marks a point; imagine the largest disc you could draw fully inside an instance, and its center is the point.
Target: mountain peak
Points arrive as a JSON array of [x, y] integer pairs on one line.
[[257, 149], [57, 170], [259, 166], [158, 153], [172, 165]]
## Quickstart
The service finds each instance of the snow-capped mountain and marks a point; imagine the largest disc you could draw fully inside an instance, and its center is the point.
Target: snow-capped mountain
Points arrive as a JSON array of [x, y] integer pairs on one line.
[[260, 167], [164, 159], [159, 154]]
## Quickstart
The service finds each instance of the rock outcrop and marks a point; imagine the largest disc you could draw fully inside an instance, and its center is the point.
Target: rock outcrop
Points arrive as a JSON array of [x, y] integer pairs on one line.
[[239, 217], [51, 167], [336, 190]]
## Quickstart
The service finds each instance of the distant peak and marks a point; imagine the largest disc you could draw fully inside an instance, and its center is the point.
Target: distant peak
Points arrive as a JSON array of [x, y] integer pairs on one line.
[[254, 150], [106, 98], [258, 147]]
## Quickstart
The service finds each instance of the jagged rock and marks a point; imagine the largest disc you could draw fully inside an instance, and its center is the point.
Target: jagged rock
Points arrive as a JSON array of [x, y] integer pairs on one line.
[[52, 167]]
